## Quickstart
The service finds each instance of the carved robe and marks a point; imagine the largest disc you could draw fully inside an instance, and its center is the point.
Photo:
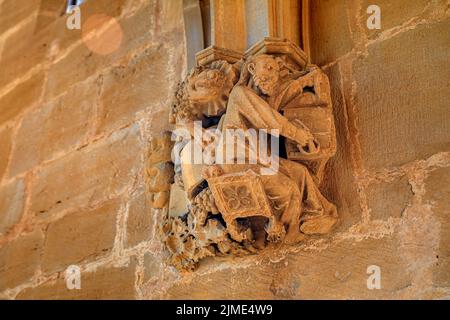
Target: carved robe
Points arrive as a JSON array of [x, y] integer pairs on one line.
[[296, 198]]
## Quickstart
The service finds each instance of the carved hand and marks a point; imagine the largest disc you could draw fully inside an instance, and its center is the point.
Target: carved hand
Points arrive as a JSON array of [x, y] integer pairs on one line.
[[297, 132], [312, 147]]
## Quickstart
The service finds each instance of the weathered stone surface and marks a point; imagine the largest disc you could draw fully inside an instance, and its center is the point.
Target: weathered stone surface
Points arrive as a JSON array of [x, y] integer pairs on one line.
[[77, 66], [55, 127], [23, 96], [12, 13], [170, 14], [81, 63], [330, 31], [52, 21], [153, 267], [393, 13], [128, 88], [5, 149], [19, 259], [401, 108], [26, 50], [438, 195], [140, 220], [389, 199], [337, 272], [102, 284], [12, 200], [112, 8], [95, 172], [339, 185], [80, 236], [48, 12], [412, 111]]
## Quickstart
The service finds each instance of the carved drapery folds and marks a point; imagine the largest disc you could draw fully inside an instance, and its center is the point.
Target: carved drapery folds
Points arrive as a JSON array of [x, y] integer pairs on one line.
[[244, 204]]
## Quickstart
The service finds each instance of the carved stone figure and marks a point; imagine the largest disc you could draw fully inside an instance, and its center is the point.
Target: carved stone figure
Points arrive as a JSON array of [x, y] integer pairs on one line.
[[159, 171], [241, 206]]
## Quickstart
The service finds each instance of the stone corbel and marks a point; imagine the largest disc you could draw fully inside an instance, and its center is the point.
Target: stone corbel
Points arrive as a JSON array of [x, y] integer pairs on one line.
[[220, 209]]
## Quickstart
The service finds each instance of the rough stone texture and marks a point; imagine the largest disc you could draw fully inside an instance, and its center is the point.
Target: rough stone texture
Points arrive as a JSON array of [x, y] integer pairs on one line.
[[153, 267], [19, 259], [95, 172], [389, 199], [336, 272], [393, 13], [73, 146], [340, 184], [45, 34], [81, 63], [26, 50], [11, 204], [21, 97], [412, 111], [5, 149], [330, 31], [77, 66], [60, 125], [438, 195], [139, 222], [126, 90], [84, 235], [12, 13], [390, 96], [104, 283]]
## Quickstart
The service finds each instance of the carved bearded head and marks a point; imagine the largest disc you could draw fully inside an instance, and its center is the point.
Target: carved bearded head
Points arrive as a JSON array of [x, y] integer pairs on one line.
[[209, 87], [265, 71]]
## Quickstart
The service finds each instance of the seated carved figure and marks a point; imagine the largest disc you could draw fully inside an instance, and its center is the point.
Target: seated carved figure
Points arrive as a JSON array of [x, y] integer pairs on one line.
[[241, 206], [256, 101]]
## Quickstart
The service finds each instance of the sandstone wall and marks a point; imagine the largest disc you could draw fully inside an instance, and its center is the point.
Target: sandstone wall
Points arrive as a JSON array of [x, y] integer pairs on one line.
[[390, 177], [75, 126], [74, 129]]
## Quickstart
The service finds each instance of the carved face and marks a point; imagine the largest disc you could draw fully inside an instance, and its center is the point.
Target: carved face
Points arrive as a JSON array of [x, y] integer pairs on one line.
[[266, 72], [209, 82], [209, 87]]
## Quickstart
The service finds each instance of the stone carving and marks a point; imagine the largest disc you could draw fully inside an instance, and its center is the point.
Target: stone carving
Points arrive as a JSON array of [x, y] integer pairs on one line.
[[241, 206], [159, 171]]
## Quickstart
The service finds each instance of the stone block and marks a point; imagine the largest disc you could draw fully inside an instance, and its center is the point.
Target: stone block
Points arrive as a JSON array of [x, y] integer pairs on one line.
[[438, 196], [12, 14], [5, 149], [19, 259], [140, 221], [57, 126], [337, 272], [402, 89], [129, 88], [393, 13], [389, 199], [105, 283], [330, 31], [12, 201], [22, 97], [84, 235], [88, 175]]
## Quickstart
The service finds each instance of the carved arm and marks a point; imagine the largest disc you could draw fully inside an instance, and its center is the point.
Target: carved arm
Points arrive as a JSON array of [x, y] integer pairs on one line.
[[262, 116]]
